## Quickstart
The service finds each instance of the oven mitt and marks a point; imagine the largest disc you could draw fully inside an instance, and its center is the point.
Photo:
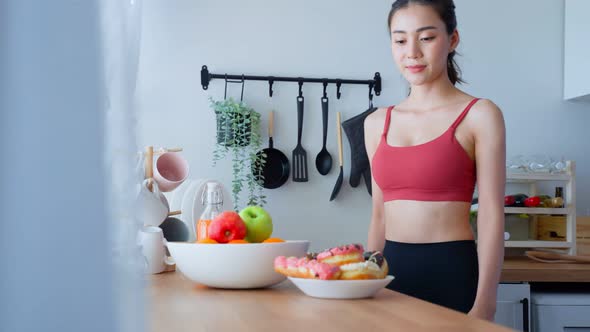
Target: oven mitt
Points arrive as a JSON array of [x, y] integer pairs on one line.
[[367, 176], [359, 163]]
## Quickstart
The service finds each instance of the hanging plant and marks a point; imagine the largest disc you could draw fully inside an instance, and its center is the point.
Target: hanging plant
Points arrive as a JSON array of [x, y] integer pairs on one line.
[[238, 134]]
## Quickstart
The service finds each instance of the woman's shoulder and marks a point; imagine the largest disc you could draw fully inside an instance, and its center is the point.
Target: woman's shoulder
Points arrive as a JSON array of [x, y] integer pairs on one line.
[[373, 128], [485, 110], [377, 118], [485, 103], [486, 118]]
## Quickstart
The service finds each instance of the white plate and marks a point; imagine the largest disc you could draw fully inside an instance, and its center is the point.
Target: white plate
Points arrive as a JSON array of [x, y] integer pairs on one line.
[[341, 289], [198, 206], [187, 208], [177, 195], [191, 204], [177, 202]]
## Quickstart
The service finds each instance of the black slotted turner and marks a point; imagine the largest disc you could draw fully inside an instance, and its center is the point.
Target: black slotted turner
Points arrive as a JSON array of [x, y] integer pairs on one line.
[[299, 154]]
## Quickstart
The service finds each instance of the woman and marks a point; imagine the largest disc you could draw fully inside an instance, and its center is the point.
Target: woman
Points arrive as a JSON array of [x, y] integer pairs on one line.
[[425, 156]]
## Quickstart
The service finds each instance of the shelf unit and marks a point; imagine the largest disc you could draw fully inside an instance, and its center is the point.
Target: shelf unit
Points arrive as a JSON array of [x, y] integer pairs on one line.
[[532, 179]]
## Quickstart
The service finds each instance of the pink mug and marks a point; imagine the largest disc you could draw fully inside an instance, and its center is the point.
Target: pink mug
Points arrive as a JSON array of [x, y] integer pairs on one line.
[[170, 171]]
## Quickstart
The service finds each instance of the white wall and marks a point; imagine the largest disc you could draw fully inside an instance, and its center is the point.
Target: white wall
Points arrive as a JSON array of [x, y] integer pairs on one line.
[[511, 53]]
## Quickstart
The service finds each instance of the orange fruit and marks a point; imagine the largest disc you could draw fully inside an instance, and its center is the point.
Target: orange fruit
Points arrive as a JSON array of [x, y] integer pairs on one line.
[[273, 240], [207, 241], [238, 241]]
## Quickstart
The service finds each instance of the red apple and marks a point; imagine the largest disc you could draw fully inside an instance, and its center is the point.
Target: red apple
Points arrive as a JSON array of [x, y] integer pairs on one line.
[[227, 226]]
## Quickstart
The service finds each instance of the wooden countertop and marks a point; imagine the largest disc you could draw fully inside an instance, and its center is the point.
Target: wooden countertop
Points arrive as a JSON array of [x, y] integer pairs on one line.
[[180, 305], [524, 269]]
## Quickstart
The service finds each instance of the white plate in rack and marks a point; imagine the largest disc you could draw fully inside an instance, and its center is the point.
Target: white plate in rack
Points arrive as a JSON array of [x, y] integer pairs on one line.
[[187, 207], [177, 195], [341, 289]]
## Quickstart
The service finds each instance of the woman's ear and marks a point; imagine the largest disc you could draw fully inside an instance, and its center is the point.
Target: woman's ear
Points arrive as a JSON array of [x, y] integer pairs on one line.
[[454, 41]]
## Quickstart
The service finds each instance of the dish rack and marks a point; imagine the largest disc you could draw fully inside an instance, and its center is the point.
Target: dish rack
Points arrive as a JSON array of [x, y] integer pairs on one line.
[[550, 217]]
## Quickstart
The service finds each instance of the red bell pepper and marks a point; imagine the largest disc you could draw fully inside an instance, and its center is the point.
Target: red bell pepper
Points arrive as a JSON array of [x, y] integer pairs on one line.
[[533, 201]]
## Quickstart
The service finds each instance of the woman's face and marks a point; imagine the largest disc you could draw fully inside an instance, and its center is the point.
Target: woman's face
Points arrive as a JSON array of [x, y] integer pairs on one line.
[[420, 44]]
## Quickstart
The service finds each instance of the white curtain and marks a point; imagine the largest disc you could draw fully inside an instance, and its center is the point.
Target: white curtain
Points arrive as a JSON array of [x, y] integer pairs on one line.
[[121, 31]]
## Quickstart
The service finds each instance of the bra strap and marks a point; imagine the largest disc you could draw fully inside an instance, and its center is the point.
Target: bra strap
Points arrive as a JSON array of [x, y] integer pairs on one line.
[[387, 120], [463, 114]]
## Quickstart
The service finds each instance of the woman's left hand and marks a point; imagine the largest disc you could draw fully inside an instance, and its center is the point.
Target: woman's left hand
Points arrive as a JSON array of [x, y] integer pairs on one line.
[[485, 312]]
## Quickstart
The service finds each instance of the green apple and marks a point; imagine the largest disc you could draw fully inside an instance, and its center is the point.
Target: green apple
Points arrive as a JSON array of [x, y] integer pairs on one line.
[[258, 223]]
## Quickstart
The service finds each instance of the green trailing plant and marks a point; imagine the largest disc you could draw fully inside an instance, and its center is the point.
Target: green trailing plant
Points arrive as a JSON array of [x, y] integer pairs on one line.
[[238, 135]]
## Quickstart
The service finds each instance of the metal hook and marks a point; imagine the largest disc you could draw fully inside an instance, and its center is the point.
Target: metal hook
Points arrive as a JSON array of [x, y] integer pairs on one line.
[[325, 86], [225, 91], [243, 83], [300, 86], [370, 95], [270, 83], [338, 85]]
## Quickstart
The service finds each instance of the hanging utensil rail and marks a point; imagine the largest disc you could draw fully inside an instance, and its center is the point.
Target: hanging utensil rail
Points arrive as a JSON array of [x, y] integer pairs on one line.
[[374, 84]]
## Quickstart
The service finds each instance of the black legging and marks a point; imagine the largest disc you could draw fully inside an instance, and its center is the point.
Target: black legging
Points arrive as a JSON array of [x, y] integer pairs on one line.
[[444, 273]]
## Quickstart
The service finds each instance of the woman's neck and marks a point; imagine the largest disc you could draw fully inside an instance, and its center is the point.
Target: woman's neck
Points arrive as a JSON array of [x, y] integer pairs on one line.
[[433, 94]]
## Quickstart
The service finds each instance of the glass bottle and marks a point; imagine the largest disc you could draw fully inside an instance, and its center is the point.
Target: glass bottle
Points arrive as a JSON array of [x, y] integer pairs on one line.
[[558, 200], [213, 200]]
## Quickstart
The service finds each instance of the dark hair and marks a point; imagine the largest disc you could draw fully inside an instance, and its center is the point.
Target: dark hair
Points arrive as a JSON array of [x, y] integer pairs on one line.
[[446, 11]]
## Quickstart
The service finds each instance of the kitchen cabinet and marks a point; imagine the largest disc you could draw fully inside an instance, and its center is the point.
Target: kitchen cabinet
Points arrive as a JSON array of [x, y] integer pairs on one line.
[[513, 306], [576, 68], [561, 312], [568, 179]]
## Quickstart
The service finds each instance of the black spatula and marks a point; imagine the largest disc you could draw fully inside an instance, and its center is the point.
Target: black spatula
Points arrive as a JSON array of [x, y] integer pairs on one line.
[[299, 154], [341, 175]]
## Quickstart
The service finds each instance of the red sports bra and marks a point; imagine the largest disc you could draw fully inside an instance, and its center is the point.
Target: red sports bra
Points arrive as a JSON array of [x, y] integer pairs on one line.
[[438, 170]]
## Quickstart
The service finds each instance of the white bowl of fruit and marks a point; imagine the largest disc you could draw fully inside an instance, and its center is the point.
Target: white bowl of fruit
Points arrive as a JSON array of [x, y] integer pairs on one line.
[[238, 252]]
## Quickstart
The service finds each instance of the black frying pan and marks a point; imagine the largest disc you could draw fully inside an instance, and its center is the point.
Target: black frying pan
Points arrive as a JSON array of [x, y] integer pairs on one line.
[[276, 169]]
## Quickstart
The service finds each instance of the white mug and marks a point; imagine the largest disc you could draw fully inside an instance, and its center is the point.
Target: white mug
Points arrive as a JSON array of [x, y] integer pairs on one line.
[[153, 248], [151, 208]]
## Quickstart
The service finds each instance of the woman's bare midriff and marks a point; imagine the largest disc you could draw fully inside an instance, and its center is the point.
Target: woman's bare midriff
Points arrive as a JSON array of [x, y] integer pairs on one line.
[[427, 222]]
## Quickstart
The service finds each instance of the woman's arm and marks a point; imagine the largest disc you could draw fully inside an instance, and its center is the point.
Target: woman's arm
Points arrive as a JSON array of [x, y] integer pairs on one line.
[[376, 240], [490, 155], [373, 127]]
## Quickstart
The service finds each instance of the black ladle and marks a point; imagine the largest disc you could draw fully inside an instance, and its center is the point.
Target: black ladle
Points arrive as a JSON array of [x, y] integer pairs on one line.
[[323, 161]]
